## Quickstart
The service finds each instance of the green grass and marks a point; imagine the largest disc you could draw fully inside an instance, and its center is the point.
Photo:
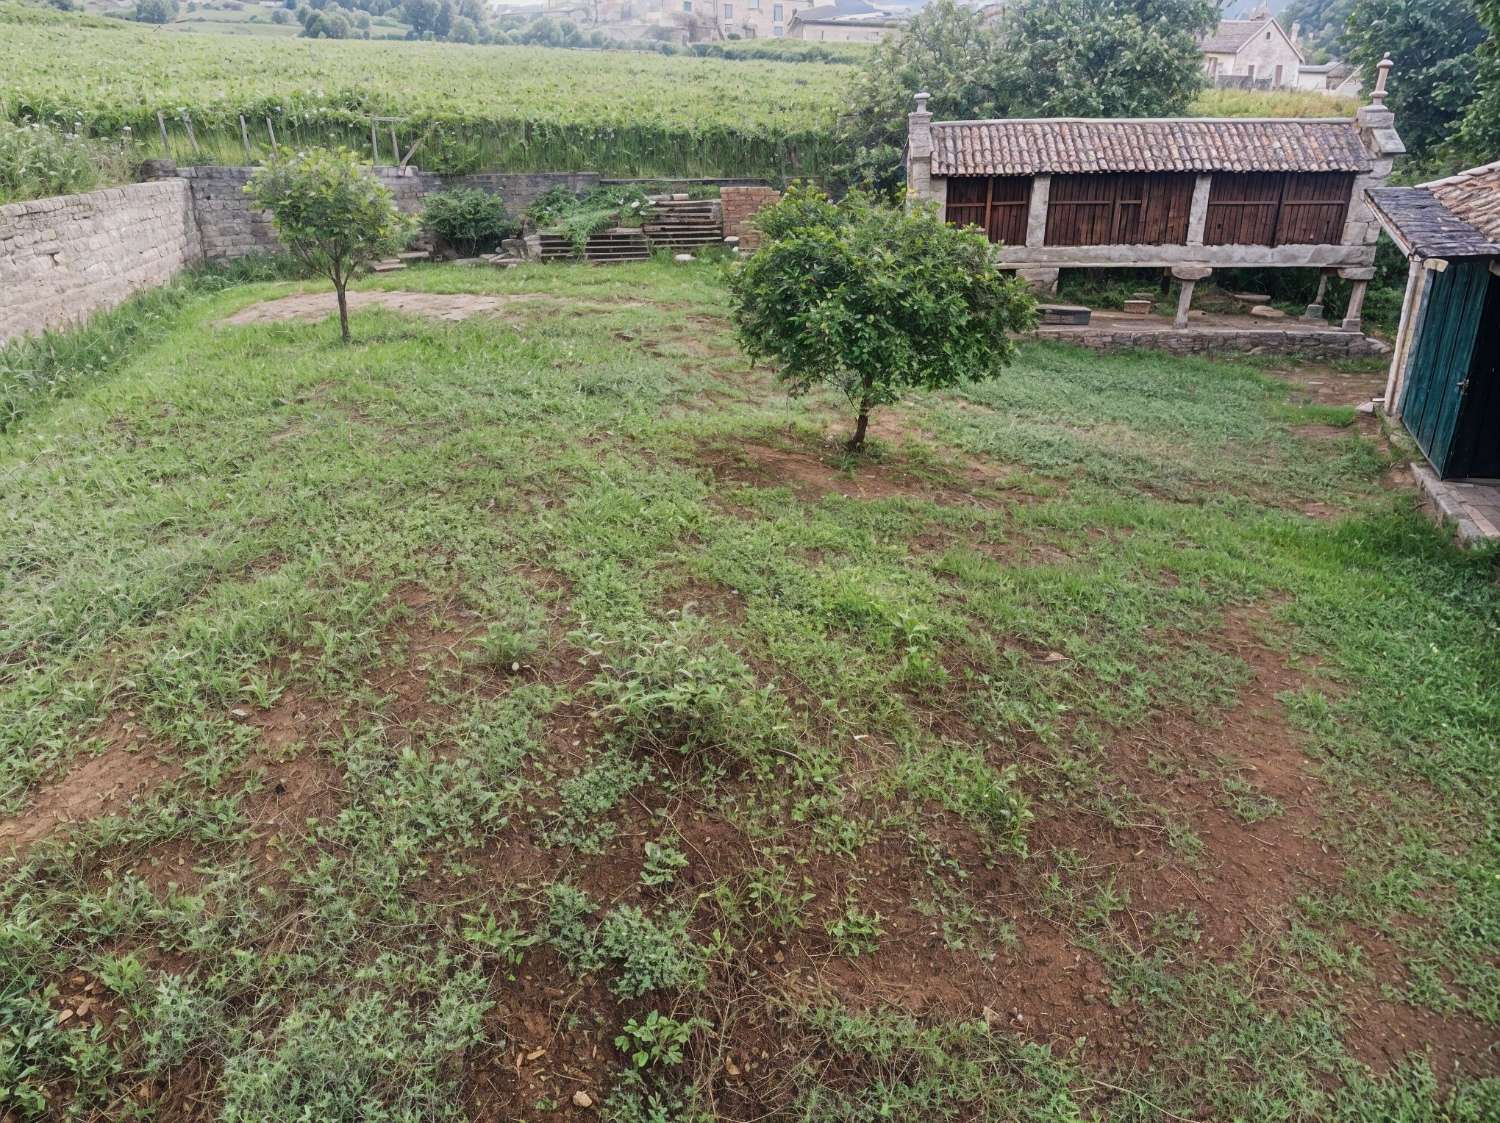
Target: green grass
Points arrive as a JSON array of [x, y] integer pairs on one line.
[[435, 726]]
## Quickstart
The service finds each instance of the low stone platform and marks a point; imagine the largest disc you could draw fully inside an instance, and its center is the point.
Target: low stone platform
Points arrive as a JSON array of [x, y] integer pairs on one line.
[[1216, 335], [1472, 507]]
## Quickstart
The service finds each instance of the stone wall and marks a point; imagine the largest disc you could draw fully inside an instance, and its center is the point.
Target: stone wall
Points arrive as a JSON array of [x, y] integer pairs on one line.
[[1328, 344], [230, 227], [66, 257], [739, 205]]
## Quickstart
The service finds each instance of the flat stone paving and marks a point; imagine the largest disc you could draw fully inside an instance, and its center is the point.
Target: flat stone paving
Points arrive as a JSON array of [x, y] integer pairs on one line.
[[1472, 506]]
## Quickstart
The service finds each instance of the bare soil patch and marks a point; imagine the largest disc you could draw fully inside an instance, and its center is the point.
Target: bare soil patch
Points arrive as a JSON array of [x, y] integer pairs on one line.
[[309, 307], [127, 768]]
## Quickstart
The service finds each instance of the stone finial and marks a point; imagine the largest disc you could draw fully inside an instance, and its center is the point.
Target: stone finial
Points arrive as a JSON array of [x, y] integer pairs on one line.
[[922, 102], [1383, 69]]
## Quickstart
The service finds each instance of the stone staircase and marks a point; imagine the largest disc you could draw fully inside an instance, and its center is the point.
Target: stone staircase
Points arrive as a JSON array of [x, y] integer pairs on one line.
[[622, 243], [683, 225]]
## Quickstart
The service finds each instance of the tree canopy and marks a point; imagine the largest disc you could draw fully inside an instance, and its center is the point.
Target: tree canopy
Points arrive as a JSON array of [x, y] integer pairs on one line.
[[1040, 58], [331, 213], [874, 300], [1433, 45]]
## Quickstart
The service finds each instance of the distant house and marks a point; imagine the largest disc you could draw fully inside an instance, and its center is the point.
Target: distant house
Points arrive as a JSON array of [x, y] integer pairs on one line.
[[1444, 381], [1187, 194], [758, 19], [1336, 79], [845, 21], [1254, 52]]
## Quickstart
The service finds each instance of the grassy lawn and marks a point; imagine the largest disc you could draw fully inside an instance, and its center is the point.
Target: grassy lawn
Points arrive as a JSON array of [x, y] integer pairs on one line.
[[534, 716]]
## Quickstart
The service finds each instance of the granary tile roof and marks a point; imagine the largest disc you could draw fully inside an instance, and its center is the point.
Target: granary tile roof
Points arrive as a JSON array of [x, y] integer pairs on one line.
[[1454, 217], [1176, 144]]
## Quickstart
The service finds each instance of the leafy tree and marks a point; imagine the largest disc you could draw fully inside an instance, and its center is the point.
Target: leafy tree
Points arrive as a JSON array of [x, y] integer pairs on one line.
[[420, 15], [1040, 58], [874, 300], [468, 219], [155, 11], [331, 213], [1433, 45], [1321, 24], [1479, 139]]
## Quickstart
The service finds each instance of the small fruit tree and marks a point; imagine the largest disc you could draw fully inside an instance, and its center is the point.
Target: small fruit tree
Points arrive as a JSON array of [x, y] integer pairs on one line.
[[874, 300], [331, 213]]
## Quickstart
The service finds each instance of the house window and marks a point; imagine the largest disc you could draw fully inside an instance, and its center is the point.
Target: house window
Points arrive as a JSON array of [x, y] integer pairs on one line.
[[1250, 71], [1213, 66], [729, 11], [777, 31], [1279, 72], [755, 5], [1119, 209], [687, 5], [776, 12]]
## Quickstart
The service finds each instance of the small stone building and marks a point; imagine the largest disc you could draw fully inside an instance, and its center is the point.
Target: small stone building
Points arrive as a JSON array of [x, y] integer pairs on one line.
[[1257, 49], [1187, 194]]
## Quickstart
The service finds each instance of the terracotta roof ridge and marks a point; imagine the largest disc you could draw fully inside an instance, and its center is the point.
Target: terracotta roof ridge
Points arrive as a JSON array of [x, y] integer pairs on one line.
[[1461, 177]]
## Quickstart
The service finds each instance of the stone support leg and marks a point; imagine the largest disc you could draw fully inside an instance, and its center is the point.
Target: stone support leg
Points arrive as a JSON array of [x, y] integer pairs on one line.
[[1356, 304], [1314, 310], [1042, 280], [1184, 301]]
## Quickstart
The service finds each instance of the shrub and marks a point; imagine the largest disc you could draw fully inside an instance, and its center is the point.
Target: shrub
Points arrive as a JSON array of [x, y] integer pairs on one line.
[[579, 219], [468, 220], [38, 160], [659, 1040], [331, 213], [874, 300]]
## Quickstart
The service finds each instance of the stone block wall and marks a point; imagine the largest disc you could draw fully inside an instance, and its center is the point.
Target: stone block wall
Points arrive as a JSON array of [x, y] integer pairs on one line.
[[1328, 344], [740, 204], [64, 258]]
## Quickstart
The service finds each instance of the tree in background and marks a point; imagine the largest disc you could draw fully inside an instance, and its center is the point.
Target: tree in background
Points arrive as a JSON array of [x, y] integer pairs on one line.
[[330, 213], [874, 300], [155, 11], [1479, 139], [1102, 58], [1320, 25], [1433, 45]]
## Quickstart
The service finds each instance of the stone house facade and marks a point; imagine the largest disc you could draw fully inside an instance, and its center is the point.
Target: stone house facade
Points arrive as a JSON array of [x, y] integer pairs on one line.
[[1257, 48], [1184, 194]]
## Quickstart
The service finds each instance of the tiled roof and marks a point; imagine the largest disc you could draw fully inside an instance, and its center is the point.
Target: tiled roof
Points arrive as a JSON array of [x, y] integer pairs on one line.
[[1454, 217], [1177, 144], [1232, 34]]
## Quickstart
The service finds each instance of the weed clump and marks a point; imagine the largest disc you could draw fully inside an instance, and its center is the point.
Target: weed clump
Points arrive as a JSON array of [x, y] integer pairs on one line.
[[644, 953], [682, 692]]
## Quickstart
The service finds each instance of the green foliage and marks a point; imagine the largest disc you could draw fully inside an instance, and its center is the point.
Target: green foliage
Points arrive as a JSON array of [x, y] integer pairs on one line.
[[874, 301], [1479, 139], [376, 1057], [657, 1041], [37, 160], [1434, 48], [580, 218], [155, 11], [468, 219], [683, 692], [331, 213], [1039, 58], [661, 865], [643, 954], [855, 932]]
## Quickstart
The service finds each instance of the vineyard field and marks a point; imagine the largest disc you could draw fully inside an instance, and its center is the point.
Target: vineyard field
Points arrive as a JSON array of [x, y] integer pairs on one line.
[[518, 108]]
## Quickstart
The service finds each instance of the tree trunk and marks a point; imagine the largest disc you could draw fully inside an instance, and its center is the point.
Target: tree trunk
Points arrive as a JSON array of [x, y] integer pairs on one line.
[[857, 441], [343, 310]]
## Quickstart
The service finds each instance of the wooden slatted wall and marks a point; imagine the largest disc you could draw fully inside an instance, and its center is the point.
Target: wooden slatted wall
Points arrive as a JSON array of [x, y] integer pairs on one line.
[[1119, 209], [998, 205], [1277, 209]]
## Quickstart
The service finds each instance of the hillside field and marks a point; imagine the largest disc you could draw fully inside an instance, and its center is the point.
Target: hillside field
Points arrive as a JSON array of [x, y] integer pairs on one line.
[[510, 108]]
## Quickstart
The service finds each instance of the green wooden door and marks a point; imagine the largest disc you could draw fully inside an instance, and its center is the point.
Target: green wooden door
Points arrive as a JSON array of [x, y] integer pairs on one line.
[[1433, 398]]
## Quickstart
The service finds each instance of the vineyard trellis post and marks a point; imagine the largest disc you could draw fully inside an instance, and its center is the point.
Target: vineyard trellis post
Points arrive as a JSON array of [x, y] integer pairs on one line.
[[187, 120], [272, 131], [245, 136], [166, 145]]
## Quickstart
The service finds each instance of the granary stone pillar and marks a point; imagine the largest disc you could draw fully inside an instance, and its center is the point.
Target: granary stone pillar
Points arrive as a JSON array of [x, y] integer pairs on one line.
[[1360, 276], [1188, 276], [1198, 210], [919, 152], [1036, 214], [1041, 278], [1314, 311]]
